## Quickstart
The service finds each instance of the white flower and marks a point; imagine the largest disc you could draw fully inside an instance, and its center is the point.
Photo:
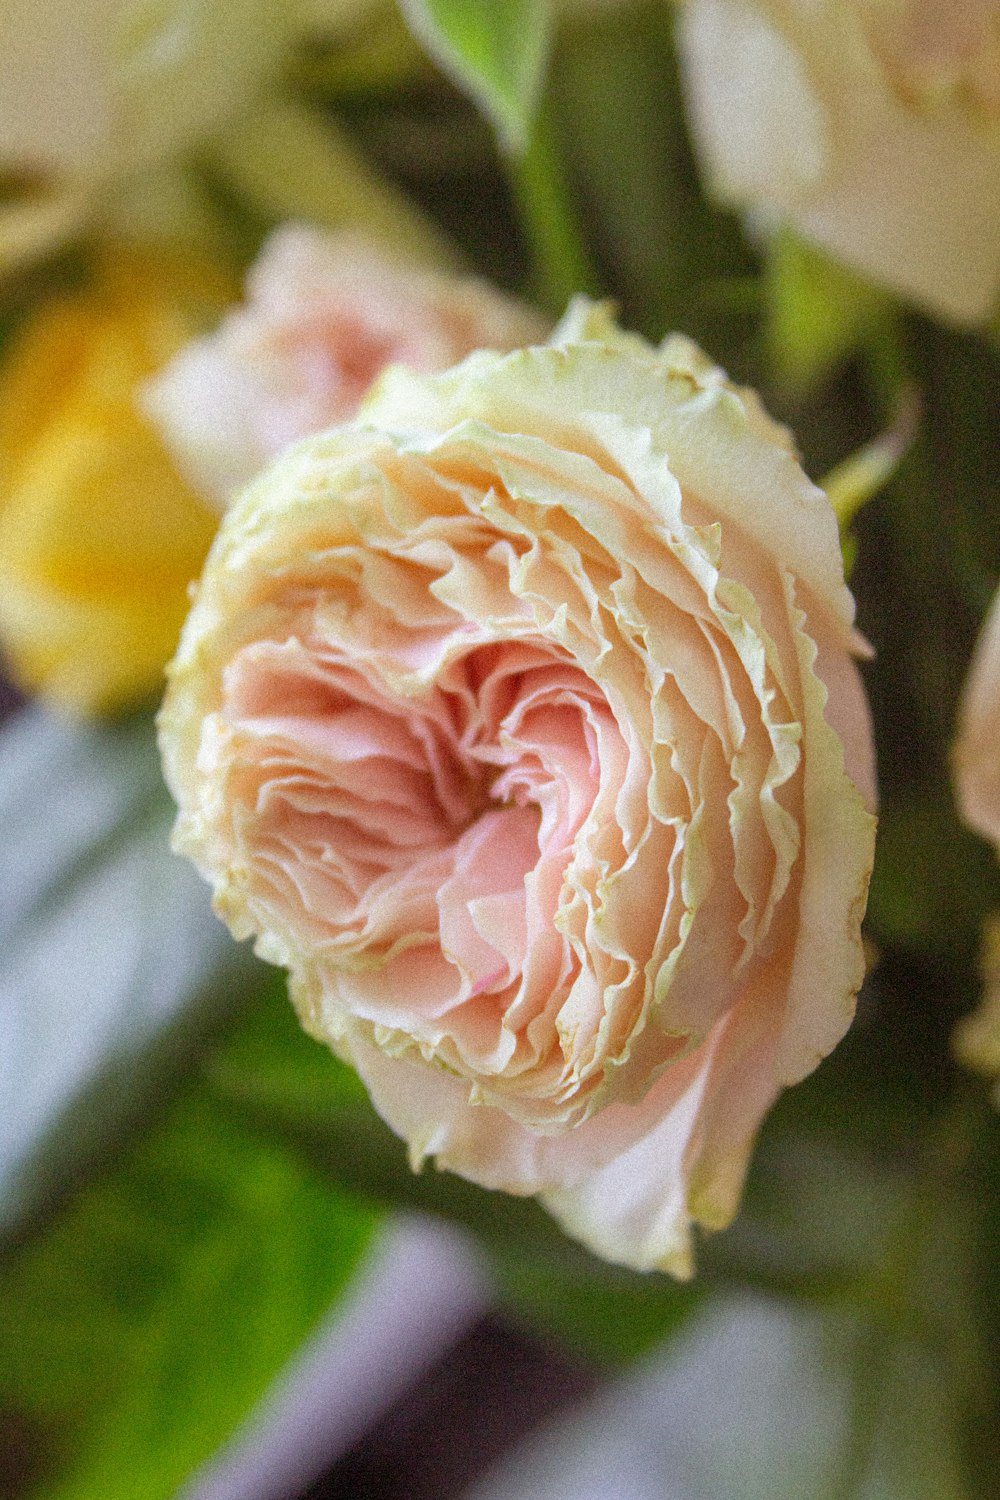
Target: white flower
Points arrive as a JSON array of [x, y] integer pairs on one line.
[[873, 129]]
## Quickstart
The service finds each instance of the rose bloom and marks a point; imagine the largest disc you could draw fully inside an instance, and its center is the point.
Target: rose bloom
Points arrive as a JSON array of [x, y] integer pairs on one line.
[[871, 128], [325, 313], [519, 719], [99, 534]]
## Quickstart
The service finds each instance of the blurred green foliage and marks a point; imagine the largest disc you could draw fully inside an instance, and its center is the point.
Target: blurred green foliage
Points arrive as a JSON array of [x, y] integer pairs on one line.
[[156, 1305]]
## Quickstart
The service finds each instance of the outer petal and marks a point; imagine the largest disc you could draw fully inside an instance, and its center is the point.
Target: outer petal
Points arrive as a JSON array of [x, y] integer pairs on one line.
[[977, 749], [711, 433], [837, 857]]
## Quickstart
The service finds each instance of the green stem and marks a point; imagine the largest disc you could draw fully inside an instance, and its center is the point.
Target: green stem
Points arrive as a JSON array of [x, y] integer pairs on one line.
[[562, 261]]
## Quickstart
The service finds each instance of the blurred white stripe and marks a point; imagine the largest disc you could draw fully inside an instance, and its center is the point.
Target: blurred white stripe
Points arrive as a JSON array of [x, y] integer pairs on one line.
[[421, 1289], [745, 1403]]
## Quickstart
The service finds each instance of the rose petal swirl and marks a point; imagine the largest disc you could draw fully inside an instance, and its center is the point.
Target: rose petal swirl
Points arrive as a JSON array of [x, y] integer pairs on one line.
[[518, 719]]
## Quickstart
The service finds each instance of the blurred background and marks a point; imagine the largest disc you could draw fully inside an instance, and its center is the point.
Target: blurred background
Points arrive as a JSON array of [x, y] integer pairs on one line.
[[218, 1277]]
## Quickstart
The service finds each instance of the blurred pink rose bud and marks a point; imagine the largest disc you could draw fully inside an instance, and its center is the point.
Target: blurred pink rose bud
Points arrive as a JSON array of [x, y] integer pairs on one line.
[[325, 314], [520, 720], [976, 766], [977, 748], [872, 128]]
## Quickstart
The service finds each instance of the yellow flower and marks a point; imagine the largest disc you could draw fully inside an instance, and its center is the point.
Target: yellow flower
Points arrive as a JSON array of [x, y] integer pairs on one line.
[[99, 536]]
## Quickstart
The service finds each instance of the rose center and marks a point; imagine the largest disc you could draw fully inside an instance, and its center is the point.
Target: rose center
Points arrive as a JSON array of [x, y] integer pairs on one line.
[[440, 828]]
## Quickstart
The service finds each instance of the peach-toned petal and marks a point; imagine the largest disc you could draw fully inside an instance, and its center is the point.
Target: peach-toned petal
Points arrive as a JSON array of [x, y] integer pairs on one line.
[[977, 749]]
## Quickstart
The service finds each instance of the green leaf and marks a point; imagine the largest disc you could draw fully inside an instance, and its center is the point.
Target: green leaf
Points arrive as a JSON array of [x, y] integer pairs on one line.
[[153, 1312], [495, 50], [111, 962], [143, 1316]]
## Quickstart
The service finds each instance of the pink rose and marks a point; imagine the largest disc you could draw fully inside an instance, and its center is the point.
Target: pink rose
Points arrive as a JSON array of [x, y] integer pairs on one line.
[[325, 314], [519, 719], [977, 749]]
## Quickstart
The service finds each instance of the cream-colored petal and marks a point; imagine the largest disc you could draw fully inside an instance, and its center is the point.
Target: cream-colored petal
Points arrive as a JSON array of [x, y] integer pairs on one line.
[[976, 755]]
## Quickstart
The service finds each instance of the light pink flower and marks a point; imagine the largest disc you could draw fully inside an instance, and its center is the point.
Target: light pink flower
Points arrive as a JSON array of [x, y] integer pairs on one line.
[[977, 748], [519, 720], [325, 314]]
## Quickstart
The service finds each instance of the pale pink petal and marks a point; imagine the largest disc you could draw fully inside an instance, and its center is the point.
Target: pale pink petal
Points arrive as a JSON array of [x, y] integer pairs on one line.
[[977, 749], [325, 314]]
